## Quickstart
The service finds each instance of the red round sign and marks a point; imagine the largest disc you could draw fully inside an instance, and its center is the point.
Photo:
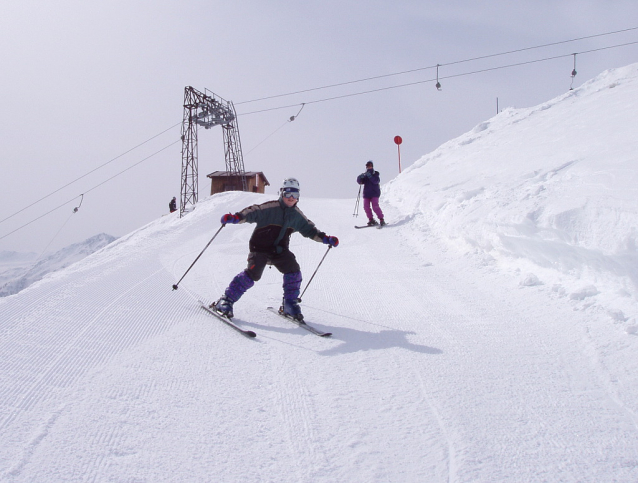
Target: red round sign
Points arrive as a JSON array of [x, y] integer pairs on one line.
[[398, 140]]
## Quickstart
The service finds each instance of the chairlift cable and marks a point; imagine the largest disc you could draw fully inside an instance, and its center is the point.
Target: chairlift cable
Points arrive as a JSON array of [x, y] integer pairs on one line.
[[516, 51], [86, 174], [266, 138], [292, 118], [87, 191], [51, 241], [463, 74]]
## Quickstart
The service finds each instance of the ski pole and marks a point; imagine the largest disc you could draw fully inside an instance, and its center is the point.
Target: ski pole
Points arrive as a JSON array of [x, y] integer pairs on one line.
[[175, 287], [313, 275], [356, 205]]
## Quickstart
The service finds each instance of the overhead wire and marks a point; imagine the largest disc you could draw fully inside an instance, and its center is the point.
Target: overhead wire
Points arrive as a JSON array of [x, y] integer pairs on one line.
[[366, 79], [266, 138], [436, 79], [291, 119], [34, 263], [89, 190], [43, 251], [133, 165], [38, 218], [86, 174], [49, 244]]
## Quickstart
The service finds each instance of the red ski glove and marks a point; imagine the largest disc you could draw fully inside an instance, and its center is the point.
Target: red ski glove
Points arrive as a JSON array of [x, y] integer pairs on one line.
[[333, 241], [230, 218]]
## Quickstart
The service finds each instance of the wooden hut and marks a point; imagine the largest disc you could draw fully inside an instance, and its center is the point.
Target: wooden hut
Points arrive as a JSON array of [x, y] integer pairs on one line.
[[221, 181]]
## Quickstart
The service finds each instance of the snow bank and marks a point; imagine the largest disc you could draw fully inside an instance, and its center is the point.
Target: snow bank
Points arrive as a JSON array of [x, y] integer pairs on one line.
[[548, 191]]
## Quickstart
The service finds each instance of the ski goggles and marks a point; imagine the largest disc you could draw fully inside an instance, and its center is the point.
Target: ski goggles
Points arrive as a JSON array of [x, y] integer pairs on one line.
[[290, 193]]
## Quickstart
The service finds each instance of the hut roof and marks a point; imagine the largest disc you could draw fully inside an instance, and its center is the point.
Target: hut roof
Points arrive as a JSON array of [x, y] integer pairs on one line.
[[248, 174]]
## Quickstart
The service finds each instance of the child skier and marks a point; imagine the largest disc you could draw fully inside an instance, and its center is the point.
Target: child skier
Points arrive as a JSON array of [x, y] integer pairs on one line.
[[371, 192], [276, 220]]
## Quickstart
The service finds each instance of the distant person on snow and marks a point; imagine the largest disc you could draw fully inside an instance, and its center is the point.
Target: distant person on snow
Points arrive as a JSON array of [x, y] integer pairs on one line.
[[371, 192], [173, 205], [276, 220]]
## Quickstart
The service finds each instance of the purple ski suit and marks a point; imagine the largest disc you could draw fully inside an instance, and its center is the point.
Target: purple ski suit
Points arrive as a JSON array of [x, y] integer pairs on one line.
[[371, 192]]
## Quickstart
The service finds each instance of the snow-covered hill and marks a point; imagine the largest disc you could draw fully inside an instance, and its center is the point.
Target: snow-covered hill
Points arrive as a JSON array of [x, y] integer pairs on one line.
[[19, 270], [10, 259], [485, 336], [549, 193]]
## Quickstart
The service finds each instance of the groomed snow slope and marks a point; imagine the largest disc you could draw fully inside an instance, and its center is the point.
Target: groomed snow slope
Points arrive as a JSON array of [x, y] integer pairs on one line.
[[446, 364]]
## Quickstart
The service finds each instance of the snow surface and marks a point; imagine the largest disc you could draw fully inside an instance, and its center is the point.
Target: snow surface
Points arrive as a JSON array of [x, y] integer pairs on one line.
[[488, 334]]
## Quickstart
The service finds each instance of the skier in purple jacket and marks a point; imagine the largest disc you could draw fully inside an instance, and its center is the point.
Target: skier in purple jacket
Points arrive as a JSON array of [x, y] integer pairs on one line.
[[371, 192]]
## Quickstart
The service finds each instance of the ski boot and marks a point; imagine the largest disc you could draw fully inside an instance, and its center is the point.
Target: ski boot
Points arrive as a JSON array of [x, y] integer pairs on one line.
[[382, 222], [372, 222], [291, 309], [290, 306], [233, 293], [224, 306]]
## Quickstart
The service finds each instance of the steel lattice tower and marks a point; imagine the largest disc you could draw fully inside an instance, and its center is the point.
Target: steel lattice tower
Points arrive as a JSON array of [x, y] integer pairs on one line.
[[207, 110]]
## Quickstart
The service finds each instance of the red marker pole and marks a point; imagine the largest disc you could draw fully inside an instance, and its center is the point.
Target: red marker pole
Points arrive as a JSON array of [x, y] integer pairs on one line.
[[398, 141]]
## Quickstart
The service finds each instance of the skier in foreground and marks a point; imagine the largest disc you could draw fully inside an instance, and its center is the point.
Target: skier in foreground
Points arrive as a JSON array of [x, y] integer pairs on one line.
[[371, 192], [276, 220]]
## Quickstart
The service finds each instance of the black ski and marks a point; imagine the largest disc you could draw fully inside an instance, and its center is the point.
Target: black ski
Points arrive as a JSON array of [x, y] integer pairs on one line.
[[227, 321], [378, 226], [301, 323]]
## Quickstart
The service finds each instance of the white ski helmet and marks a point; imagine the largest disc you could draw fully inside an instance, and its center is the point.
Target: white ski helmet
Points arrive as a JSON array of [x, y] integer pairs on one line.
[[289, 188]]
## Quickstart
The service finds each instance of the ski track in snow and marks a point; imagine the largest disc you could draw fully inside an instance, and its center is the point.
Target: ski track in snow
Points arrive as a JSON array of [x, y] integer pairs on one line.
[[427, 378], [60, 332], [431, 374]]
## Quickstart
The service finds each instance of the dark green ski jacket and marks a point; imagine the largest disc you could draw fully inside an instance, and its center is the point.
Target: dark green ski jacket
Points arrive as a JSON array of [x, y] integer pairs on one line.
[[275, 223]]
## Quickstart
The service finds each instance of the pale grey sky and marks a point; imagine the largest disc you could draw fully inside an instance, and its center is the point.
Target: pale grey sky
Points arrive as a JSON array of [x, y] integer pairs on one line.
[[84, 82]]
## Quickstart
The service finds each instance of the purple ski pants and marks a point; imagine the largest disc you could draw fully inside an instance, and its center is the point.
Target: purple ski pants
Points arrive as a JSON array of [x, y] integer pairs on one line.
[[375, 206]]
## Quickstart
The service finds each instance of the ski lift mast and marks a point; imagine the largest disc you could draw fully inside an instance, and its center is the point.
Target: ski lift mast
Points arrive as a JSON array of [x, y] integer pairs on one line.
[[207, 110]]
